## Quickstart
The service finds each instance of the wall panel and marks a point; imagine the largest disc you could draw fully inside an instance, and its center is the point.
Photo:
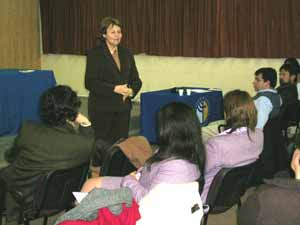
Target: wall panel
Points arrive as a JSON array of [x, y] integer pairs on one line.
[[19, 34]]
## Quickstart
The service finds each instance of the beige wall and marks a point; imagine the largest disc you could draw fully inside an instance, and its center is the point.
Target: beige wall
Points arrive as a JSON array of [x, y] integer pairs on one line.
[[166, 72], [19, 34]]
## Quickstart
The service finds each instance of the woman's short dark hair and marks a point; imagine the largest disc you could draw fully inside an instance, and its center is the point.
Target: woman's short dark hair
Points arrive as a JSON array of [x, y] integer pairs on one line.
[[240, 110], [105, 23], [179, 135], [59, 104]]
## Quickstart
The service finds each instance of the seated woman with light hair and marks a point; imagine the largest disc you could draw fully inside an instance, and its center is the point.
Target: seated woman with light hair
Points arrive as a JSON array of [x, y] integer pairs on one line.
[[180, 158], [240, 144]]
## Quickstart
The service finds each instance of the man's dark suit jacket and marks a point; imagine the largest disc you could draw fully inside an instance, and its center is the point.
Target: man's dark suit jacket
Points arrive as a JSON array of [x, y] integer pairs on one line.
[[41, 149], [102, 75], [288, 94], [290, 104]]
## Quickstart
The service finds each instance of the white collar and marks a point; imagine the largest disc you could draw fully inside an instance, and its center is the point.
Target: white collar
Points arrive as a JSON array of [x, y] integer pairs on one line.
[[267, 90], [238, 130]]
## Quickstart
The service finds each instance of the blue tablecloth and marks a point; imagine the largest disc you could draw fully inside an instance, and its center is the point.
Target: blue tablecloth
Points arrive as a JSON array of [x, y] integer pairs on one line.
[[208, 105], [19, 97]]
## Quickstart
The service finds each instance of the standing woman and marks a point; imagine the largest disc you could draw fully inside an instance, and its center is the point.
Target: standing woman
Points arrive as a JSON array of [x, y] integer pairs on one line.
[[113, 80]]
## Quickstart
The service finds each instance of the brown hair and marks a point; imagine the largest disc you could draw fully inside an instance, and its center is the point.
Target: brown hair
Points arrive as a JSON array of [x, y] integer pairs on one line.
[[240, 110], [105, 23]]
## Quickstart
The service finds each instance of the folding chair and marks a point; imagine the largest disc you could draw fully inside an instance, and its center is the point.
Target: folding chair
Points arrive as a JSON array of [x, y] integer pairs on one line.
[[53, 194], [227, 188]]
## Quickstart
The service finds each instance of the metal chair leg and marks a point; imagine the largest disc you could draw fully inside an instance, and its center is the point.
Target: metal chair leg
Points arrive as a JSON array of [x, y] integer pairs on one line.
[[239, 204], [205, 218], [45, 220], [26, 222]]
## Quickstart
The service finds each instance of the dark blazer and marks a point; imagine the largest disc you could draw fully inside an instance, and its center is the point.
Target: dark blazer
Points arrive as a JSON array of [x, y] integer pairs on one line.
[[102, 75], [288, 93], [40, 149], [274, 203]]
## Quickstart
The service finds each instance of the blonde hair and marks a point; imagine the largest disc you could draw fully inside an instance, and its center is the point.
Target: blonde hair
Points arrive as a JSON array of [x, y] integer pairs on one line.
[[240, 110]]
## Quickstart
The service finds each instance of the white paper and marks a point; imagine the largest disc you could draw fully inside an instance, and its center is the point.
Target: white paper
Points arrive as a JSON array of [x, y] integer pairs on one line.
[[79, 196], [215, 89], [180, 91], [26, 71], [200, 90]]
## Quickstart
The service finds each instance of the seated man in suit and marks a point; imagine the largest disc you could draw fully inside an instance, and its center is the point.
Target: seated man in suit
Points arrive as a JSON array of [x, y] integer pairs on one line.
[[267, 101], [295, 80], [52, 144], [287, 89], [289, 94]]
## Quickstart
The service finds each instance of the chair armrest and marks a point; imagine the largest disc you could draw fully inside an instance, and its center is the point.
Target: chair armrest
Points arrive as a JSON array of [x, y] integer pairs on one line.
[[17, 196]]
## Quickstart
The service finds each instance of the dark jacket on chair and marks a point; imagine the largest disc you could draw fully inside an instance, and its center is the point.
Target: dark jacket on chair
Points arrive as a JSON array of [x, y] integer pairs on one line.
[[40, 149]]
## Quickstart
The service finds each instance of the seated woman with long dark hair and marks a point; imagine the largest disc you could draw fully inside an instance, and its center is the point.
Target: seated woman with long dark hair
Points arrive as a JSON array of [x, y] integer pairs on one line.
[[238, 145], [180, 158], [51, 144]]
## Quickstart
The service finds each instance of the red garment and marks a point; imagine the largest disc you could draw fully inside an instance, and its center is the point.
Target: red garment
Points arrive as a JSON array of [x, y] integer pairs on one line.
[[128, 216]]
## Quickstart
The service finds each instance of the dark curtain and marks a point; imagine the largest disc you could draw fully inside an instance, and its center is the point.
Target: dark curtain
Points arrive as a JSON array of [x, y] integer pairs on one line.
[[196, 28]]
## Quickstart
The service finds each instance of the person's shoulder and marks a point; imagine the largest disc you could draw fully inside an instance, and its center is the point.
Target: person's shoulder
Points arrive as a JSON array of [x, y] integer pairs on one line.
[[226, 139], [30, 124], [294, 87], [257, 135], [174, 163], [262, 100], [222, 137], [124, 50], [95, 50], [29, 129], [258, 132]]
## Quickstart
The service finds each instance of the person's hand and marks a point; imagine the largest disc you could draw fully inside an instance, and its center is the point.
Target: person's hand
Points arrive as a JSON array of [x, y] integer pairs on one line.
[[295, 164], [121, 89], [128, 94], [82, 120], [133, 174]]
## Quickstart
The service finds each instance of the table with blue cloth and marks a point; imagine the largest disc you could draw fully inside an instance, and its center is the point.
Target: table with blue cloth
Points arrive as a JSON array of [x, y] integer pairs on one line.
[[20, 91], [207, 102]]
